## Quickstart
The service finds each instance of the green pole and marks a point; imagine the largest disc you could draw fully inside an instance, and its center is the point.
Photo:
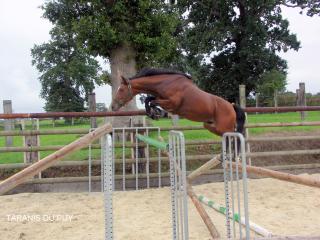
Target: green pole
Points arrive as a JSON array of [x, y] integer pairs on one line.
[[153, 142]]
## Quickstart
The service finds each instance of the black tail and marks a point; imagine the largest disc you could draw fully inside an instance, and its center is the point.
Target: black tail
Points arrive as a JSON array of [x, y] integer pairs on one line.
[[241, 118]]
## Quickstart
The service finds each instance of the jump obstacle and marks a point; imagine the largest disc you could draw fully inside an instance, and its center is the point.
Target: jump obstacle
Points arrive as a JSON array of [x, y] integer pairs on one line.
[[236, 217], [178, 183], [233, 152], [48, 161]]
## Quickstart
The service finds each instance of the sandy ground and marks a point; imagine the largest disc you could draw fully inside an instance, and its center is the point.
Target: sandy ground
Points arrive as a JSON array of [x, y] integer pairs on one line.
[[283, 208]]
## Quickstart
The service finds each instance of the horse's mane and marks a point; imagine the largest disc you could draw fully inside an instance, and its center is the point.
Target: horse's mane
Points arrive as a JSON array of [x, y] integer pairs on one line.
[[145, 72]]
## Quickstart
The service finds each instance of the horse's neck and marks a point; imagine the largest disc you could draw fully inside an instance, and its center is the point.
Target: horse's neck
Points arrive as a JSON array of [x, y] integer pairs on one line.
[[147, 85]]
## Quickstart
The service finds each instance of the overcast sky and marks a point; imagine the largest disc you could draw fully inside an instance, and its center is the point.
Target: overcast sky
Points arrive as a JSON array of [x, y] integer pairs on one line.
[[21, 26]]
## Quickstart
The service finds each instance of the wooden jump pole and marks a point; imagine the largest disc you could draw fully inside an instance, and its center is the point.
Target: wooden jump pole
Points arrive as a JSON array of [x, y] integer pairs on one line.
[[202, 212], [48, 161], [307, 181], [215, 161], [221, 209]]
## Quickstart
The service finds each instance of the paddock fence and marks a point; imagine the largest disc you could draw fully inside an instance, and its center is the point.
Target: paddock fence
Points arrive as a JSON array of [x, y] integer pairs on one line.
[[196, 157]]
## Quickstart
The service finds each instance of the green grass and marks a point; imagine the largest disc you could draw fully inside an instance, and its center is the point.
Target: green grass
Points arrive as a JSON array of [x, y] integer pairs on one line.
[[252, 118], [283, 117], [46, 140]]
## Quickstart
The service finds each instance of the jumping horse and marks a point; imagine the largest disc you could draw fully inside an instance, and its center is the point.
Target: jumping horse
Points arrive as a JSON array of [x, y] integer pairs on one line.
[[175, 92]]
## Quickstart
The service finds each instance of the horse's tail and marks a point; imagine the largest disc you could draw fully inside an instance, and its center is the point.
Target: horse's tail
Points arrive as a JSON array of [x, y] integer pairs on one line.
[[240, 118]]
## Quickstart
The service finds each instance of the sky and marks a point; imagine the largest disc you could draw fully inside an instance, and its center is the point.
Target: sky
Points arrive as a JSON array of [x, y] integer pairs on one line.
[[21, 26]]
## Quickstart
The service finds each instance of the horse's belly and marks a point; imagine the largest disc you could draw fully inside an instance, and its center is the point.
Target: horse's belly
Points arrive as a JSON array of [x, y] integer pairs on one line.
[[197, 116]]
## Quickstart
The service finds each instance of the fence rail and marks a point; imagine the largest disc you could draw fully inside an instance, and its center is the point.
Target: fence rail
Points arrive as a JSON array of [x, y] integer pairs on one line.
[[133, 145], [177, 128], [142, 112], [72, 114], [287, 168], [189, 158]]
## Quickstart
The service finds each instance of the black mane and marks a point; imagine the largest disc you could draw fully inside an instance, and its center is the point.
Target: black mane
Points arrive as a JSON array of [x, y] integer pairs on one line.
[[145, 72]]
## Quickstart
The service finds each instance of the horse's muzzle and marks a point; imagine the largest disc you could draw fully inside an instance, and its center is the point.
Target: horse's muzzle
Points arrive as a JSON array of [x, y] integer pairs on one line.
[[115, 106]]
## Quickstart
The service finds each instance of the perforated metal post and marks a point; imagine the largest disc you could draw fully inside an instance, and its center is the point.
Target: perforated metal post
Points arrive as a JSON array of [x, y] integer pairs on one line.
[[159, 162], [178, 186], [123, 160], [148, 161], [137, 162], [233, 154], [90, 164], [103, 156], [108, 185]]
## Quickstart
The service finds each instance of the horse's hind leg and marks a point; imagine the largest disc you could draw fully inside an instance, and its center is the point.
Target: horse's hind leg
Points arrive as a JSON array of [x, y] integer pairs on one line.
[[212, 128]]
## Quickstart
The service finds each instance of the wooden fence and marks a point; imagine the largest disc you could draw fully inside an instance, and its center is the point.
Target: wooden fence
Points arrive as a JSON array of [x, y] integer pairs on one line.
[[191, 158]]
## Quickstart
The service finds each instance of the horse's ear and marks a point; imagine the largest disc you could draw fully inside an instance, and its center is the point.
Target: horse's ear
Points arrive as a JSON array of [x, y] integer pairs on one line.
[[124, 80]]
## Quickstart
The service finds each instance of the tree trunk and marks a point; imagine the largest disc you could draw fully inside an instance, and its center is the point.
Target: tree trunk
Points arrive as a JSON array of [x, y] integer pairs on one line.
[[122, 61]]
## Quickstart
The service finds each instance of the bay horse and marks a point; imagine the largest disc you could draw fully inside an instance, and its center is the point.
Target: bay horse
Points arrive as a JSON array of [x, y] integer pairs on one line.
[[175, 92]]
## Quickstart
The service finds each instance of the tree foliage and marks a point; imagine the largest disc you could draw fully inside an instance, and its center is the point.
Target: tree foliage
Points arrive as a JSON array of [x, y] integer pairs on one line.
[[236, 41], [222, 43], [100, 27], [68, 73], [273, 82], [63, 98]]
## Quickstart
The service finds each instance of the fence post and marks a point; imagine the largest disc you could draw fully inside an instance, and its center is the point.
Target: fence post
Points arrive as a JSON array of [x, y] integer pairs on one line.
[[302, 98], [242, 95], [175, 120], [275, 98], [92, 108], [8, 123], [257, 100], [242, 99]]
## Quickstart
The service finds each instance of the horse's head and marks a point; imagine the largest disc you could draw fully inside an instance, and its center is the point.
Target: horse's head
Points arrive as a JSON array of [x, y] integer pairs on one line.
[[123, 95]]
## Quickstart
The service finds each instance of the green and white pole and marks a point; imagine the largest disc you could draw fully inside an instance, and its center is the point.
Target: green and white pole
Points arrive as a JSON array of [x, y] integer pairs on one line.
[[255, 227]]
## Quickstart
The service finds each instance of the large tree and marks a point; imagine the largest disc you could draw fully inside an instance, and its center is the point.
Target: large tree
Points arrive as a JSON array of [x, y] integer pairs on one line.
[[130, 34], [68, 73], [236, 41]]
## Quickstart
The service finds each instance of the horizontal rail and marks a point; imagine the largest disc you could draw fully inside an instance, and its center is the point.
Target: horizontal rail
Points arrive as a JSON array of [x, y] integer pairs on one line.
[[281, 109], [177, 128], [164, 174], [164, 159], [44, 132], [72, 114], [282, 124], [142, 112], [287, 138], [85, 131], [188, 143], [284, 153], [40, 148]]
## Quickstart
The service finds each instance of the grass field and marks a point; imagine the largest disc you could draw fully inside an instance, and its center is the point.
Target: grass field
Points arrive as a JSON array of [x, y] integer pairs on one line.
[[189, 135]]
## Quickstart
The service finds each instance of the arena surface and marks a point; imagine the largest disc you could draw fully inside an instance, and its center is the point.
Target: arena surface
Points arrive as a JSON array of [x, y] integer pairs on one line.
[[282, 208]]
